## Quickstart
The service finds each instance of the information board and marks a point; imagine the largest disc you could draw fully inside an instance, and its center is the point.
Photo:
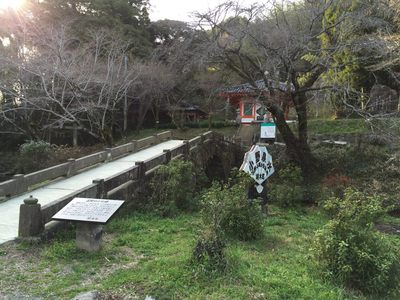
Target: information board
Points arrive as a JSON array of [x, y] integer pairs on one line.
[[89, 210], [268, 131]]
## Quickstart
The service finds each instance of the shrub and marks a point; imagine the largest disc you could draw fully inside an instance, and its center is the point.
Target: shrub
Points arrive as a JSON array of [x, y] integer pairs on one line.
[[352, 161], [34, 155], [386, 180], [244, 222], [209, 249], [288, 190], [336, 184], [351, 251], [205, 124], [227, 210], [172, 188], [209, 252], [8, 161]]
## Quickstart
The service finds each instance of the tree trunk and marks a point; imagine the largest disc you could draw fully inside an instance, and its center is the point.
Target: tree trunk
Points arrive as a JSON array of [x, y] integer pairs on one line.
[[157, 115], [144, 107], [297, 147]]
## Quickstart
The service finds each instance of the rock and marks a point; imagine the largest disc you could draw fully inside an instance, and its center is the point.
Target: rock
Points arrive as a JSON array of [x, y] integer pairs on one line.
[[92, 295]]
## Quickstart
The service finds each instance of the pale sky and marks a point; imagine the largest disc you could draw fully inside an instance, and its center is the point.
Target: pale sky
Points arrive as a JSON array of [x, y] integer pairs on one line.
[[180, 9]]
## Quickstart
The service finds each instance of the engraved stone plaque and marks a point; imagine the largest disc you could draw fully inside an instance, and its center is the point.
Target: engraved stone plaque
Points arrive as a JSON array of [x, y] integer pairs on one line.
[[88, 210]]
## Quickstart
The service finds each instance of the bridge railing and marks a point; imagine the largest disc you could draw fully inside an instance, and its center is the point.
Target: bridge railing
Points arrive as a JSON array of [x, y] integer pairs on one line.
[[21, 183], [123, 185]]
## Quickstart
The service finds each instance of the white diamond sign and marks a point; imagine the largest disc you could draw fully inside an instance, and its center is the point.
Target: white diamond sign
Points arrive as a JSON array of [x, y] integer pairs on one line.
[[258, 163]]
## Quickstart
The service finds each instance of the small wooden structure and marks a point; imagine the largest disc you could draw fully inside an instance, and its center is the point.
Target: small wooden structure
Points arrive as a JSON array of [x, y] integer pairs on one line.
[[245, 97], [188, 111]]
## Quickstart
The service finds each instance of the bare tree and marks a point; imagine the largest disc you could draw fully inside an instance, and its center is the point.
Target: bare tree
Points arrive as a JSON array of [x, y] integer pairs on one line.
[[280, 45], [61, 80], [153, 89]]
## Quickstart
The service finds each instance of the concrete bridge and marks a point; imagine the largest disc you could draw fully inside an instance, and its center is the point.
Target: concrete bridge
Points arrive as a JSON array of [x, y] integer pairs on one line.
[[115, 173]]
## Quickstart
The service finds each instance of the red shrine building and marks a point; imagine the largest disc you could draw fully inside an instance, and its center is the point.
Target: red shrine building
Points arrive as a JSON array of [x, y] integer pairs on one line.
[[245, 98]]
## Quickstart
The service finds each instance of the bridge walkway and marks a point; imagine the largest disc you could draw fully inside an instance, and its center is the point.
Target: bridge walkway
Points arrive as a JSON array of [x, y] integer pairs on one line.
[[9, 210]]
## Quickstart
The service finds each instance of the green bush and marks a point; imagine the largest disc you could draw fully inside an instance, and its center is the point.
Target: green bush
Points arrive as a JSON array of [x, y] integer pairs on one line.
[[173, 188], [34, 155], [205, 124], [287, 191], [244, 222], [226, 211], [209, 252], [351, 251], [355, 162], [229, 212], [8, 161]]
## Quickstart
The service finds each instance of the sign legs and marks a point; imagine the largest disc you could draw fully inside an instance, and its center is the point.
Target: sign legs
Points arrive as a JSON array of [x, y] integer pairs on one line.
[[253, 194]]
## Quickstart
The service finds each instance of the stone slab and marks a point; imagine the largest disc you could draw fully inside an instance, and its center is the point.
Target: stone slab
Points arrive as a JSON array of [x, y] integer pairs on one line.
[[89, 236], [88, 210]]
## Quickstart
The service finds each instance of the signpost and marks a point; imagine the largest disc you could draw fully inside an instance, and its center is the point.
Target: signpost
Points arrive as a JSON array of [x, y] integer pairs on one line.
[[258, 163], [89, 210], [268, 131], [90, 214]]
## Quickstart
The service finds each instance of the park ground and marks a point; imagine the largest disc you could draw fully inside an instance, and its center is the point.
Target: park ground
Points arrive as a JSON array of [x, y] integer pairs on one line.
[[146, 255]]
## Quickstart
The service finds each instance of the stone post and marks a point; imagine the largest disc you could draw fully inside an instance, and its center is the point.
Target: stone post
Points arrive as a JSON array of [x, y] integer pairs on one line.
[[89, 236], [101, 192], [20, 186], [108, 155], [167, 155], [156, 139], [71, 167], [2, 196], [30, 218], [134, 147], [186, 151], [141, 175]]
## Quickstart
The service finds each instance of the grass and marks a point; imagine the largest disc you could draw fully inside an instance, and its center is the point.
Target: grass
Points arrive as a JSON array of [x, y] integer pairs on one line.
[[338, 126], [186, 133], [147, 255]]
